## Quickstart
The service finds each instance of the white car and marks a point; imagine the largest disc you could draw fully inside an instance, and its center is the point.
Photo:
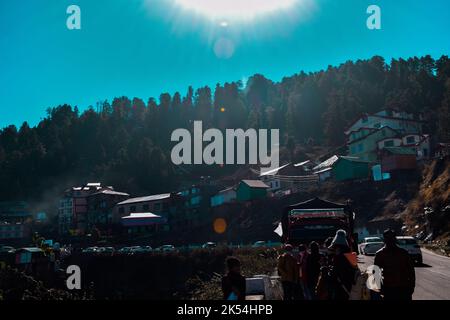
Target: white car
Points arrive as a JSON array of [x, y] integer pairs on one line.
[[90, 250], [124, 250], [167, 248], [259, 244], [106, 250], [6, 249], [371, 245], [410, 244]]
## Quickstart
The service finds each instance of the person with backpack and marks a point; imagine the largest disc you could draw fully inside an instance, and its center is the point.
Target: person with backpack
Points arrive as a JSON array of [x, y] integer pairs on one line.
[[343, 267]]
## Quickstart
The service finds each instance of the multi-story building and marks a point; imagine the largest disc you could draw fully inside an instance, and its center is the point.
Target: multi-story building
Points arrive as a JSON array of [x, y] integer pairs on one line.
[[15, 220], [197, 205], [13, 231], [385, 129], [79, 207], [15, 211], [402, 122], [168, 206], [100, 207]]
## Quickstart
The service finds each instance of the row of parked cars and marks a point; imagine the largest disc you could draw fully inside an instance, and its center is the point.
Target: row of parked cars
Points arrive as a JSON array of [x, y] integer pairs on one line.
[[128, 250], [371, 245], [163, 248], [6, 249]]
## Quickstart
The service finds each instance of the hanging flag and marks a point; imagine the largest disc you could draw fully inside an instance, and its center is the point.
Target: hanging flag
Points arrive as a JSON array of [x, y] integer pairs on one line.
[[279, 230]]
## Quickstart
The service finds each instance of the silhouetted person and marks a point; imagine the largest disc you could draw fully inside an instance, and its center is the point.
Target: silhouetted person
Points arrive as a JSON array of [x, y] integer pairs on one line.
[[399, 277], [288, 270], [313, 268], [342, 272], [233, 283]]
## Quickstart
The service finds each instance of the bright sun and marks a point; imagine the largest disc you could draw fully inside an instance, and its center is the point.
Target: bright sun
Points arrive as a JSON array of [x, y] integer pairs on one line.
[[235, 9]]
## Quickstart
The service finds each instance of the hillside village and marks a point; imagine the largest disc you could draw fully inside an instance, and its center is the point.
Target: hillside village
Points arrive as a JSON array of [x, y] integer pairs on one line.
[[383, 150]]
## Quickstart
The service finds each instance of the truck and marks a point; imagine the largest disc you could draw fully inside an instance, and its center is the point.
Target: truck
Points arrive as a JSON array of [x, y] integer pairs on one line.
[[316, 220]]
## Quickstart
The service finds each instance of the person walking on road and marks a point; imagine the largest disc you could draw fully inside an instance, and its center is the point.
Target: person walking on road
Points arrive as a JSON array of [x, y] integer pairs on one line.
[[343, 271], [399, 278], [288, 272]]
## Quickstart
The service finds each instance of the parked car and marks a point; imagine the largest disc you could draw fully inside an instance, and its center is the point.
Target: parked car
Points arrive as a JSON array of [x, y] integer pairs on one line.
[[136, 249], [167, 248], [410, 244], [259, 244], [147, 249], [371, 248], [7, 249], [209, 245], [90, 250], [106, 250], [124, 250], [371, 245], [372, 239]]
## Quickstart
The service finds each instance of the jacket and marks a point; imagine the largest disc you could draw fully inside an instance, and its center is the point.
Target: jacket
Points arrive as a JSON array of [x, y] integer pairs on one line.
[[288, 269]]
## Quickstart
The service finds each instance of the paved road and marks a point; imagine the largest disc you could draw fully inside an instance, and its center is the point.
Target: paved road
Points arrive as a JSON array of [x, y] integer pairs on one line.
[[432, 278]]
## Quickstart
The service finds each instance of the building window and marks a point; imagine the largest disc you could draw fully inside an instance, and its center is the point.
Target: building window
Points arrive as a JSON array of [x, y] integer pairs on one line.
[[195, 200], [121, 210], [389, 143], [157, 207], [360, 147], [133, 209], [410, 140], [146, 207]]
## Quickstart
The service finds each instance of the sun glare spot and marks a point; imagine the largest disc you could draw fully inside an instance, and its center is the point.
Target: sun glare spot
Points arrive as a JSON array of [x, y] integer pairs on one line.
[[235, 9]]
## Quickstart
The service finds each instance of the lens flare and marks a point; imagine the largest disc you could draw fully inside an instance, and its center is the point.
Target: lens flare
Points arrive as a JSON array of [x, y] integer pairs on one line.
[[219, 225]]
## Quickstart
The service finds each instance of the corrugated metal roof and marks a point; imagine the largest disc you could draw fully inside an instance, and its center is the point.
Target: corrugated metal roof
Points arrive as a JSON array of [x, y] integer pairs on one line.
[[255, 183], [112, 192], [140, 215], [327, 163], [32, 249], [147, 198], [301, 164], [93, 184], [228, 189], [273, 171], [400, 151], [331, 161]]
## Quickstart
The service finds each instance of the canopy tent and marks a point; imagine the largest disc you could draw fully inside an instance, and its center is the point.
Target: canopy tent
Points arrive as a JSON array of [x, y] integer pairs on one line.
[[315, 208]]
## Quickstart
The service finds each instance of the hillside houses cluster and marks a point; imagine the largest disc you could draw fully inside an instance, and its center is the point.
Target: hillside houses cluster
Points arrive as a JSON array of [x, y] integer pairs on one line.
[[95, 207], [378, 147], [17, 221]]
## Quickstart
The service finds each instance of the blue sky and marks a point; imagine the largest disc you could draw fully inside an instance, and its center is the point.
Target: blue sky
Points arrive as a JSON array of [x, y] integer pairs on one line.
[[141, 48]]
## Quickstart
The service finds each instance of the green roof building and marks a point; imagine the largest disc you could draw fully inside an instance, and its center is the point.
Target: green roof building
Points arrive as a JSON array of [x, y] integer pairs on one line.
[[341, 168], [251, 190]]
